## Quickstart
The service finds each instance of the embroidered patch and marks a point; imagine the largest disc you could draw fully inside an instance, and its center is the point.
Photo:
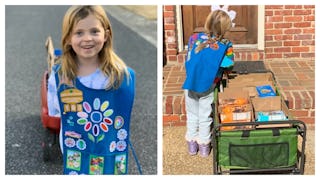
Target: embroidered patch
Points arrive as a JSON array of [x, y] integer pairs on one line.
[[112, 146], [120, 164], [121, 145], [71, 99], [96, 165], [122, 134], [118, 122], [72, 134], [73, 160], [95, 118], [70, 121], [81, 144], [69, 142]]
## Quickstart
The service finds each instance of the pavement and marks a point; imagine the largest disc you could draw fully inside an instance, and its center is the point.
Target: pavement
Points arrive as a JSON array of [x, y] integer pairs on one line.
[[177, 161], [140, 19]]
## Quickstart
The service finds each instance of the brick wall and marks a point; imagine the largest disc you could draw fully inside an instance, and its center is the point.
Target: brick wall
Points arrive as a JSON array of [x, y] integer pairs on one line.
[[170, 37], [289, 32]]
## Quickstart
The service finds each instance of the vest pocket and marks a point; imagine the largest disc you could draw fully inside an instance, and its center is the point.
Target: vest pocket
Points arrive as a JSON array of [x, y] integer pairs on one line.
[[78, 162]]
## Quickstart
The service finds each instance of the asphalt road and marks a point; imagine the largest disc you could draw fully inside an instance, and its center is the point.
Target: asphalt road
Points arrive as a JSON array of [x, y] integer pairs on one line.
[[26, 29]]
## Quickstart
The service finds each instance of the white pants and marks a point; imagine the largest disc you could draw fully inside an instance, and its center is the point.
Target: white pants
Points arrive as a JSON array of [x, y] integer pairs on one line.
[[198, 120]]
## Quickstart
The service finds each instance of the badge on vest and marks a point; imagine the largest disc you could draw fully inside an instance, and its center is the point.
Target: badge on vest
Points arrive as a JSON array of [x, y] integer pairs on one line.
[[72, 99]]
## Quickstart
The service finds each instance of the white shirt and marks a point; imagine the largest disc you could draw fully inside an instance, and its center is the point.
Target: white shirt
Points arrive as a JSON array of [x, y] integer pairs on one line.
[[95, 80]]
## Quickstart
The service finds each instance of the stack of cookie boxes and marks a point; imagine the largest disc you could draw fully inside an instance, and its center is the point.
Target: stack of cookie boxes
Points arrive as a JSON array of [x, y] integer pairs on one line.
[[251, 98]]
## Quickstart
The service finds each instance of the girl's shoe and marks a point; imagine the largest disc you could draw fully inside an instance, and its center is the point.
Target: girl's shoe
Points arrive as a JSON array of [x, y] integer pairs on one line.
[[193, 147], [204, 150]]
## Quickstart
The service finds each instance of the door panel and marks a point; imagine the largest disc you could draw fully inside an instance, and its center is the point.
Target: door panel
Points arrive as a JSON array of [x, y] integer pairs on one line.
[[244, 32]]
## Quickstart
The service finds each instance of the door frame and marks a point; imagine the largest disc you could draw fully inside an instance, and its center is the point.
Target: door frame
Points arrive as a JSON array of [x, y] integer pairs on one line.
[[260, 36]]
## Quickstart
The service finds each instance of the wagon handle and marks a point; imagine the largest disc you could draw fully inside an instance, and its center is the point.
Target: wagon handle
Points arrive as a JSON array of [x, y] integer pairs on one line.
[[50, 51]]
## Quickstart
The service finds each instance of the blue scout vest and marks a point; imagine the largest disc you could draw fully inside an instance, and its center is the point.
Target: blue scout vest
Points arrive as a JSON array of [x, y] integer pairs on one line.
[[95, 127], [202, 67]]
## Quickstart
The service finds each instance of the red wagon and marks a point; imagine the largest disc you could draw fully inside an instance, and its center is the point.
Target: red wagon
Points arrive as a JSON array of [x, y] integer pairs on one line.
[[50, 124]]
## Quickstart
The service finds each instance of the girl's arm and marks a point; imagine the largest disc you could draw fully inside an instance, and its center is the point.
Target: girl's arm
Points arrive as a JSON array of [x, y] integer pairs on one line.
[[228, 60], [53, 102]]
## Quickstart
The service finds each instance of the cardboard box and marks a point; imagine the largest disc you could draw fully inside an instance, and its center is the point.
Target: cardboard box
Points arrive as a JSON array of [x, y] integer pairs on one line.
[[269, 104], [233, 113], [225, 98], [252, 91]]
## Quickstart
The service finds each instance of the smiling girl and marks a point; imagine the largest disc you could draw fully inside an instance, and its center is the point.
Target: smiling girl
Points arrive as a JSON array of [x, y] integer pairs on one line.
[[92, 90]]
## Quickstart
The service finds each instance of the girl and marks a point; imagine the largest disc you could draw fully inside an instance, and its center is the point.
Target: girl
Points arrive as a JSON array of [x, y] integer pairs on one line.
[[209, 54], [92, 90]]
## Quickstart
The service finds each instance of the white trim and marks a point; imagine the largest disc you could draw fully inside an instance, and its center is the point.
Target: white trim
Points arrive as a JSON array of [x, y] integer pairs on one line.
[[179, 28], [261, 19]]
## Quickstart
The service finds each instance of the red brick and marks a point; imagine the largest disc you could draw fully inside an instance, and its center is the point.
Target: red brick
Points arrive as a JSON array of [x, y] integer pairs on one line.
[[268, 25], [179, 123], [283, 25], [292, 31], [273, 44], [168, 105], [309, 6], [309, 31], [168, 14], [274, 18], [300, 49], [291, 55], [307, 101], [269, 56], [274, 7], [183, 117], [168, 8], [172, 58], [171, 117], [268, 38], [308, 55], [183, 106], [171, 52], [273, 31], [307, 120], [293, 7], [292, 18], [283, 37], [171, 45], [301, 12], [282, 49], [169, 27], [302, 24], [299, 113], [177, 105], [303, 37], [169, 20], [170, 33], [291, 43], [268, 13], [309, 18], [297, 100]]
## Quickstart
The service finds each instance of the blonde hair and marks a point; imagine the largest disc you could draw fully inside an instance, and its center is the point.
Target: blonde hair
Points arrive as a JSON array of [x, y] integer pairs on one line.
[[109, 62], [217, 24]]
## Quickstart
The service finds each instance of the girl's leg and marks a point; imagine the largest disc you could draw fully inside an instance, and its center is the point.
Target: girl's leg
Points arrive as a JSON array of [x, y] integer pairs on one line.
[[192, 110], [205, 123]]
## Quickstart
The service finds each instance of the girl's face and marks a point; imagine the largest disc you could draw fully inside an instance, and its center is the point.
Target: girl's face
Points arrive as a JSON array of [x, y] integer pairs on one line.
[[87, 39]]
